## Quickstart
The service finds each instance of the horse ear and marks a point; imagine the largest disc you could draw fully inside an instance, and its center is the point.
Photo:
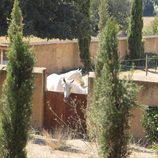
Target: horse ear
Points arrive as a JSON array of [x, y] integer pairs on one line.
[[64, 80]]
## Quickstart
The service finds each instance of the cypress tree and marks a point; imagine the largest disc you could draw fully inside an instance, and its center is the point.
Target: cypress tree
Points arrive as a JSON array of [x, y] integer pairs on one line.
[[109, 113], [103, 13], [84, 42], [17, 91], [135, 29]]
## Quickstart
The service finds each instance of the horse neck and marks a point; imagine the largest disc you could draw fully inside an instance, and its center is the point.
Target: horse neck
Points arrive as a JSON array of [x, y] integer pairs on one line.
[[59, 85], [76, 88]]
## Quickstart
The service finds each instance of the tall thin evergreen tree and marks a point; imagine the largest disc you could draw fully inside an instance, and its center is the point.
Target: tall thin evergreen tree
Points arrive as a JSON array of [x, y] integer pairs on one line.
[[84, 42], [109, 113], [17, 91], [104, 16], [103, 13], [135, 30]]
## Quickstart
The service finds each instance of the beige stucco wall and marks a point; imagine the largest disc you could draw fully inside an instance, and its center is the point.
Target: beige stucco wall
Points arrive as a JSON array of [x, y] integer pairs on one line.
[[147, 95], [151, 44], [58, 56], [63, 55], [38, 95]]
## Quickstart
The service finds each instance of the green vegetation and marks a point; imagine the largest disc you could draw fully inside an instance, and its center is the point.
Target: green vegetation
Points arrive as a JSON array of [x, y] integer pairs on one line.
[[118, 9], [17, 91], [150, 123], [109, 112], [135, 30], [59, 19], [148, 8], [152, 29], [103, 14], [84, 43]]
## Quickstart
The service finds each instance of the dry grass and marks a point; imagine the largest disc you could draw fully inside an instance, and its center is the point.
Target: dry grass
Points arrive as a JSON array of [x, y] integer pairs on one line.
[[59, 141], [147, 21], [31, 39], [47, 147]]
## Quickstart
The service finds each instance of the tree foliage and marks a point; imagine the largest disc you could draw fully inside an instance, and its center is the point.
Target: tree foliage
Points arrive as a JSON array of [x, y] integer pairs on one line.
[[135, 30], [109, 112], [148, 8], [5, 10], [49, 18], [150, 124], [84, 42], [63, 19], [103, 13], [94, 16], [17, 91], [118, 9]]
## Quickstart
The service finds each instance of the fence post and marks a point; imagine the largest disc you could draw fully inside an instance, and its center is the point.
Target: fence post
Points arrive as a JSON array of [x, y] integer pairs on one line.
[[146, 64], [91, 78], [1, 58]]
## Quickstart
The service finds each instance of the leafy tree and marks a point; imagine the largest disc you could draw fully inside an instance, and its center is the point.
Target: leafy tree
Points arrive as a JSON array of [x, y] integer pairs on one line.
[[94, 16], [148, 8], [135, 30], [49, 18], [118, 9], [63, 19], [5, 9], [59, 19], [17, 91], [109, 112]]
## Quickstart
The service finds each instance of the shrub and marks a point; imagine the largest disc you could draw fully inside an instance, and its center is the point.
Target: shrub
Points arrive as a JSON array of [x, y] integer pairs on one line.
[[150, 123]]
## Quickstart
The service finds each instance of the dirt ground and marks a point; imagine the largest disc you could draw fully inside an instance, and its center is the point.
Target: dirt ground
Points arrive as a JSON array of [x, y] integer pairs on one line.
[[140, 75], [44, 147], [77, 148]]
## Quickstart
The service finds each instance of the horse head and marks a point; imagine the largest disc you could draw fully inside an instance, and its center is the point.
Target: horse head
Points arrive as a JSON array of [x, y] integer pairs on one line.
[[67, 84], [74, 75]]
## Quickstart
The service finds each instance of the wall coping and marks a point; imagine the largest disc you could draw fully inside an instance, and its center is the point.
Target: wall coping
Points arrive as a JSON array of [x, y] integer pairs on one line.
[[139, 78], [36, 70]]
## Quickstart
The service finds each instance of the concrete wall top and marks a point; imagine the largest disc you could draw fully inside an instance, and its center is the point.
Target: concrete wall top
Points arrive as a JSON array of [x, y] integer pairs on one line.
[[36, 70]]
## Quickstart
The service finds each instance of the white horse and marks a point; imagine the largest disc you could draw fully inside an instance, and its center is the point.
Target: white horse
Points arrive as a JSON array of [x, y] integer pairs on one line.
[[72, 87], [54, 81]]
